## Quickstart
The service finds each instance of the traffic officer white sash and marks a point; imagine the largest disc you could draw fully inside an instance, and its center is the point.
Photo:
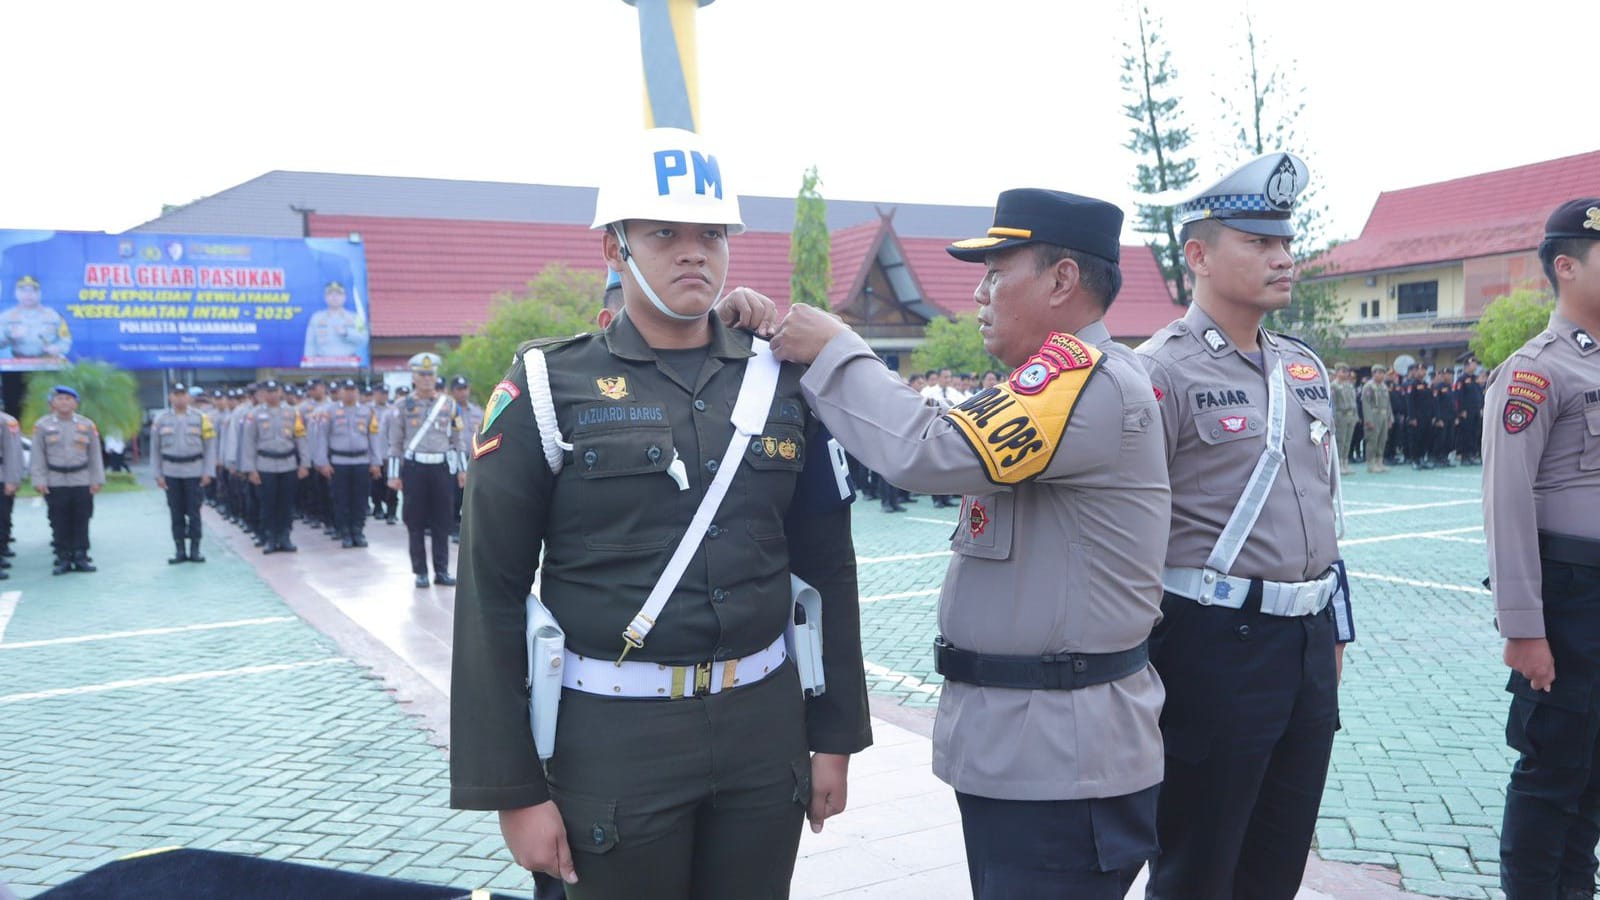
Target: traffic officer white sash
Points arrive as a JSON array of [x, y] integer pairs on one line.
[[1254, 498]]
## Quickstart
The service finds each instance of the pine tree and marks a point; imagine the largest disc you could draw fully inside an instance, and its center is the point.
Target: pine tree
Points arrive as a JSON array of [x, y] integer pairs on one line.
[[810, 246], [1160, 141]]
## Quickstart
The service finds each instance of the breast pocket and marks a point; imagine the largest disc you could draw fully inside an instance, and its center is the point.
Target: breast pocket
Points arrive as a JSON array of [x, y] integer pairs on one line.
[[1235, 428], [1318, 430], [774, 458], [625, 499], [984, 527], [1590, 460]]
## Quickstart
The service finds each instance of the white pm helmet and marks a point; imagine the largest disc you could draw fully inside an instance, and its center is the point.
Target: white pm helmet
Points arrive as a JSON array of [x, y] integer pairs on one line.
[[669, 176]]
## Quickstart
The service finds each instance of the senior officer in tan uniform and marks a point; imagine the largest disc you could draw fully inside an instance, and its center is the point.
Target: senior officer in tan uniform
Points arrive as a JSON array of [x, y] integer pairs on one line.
[[1047, 726], [68, 469], [183, 454], [681, 767], [1256, 609], [1541, 491], [427, 462], [275, 452]]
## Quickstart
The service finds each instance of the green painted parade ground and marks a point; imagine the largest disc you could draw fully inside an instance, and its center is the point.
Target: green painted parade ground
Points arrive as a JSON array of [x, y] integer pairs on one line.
[[149, 705]]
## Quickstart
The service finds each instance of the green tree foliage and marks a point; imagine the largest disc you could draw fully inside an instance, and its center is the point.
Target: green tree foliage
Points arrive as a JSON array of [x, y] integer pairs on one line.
[[106, 394], [560, 302], [810, 246], [1265, 112], [953, 344], [1158, 139], [1510, 321]]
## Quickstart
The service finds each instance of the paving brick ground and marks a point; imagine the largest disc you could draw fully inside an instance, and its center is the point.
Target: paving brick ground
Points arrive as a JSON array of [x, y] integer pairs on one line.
[[260, 736]]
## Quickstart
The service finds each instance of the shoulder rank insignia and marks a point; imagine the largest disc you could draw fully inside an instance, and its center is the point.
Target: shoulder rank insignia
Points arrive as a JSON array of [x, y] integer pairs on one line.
[[482, 448], [1584, 341], [613, 388], [504, 393], [1214, 339], [1016, 427], [1302, 371]]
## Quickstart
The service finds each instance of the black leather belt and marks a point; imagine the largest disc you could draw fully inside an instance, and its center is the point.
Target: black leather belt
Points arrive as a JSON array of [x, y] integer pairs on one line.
[[68, 470], [361, 453], [1564, 548], [270, 455], [182, 459], [1056, 672]]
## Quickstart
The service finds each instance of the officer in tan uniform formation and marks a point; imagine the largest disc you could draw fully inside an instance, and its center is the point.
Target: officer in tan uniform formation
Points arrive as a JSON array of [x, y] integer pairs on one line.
[[1541, 491], [274, 454], [1343, 394], [1255, 611], [427, 452], [11, 475], [348, 452], [1048, 723], [68, 469], [183, 454], [1376, 418]]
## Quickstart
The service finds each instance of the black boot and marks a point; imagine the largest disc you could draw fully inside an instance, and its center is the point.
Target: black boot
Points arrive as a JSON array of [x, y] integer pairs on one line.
[[195, 555], [179, 555], [81, 563], [359, 537], [285, 545], [349, 540], [62, 566]]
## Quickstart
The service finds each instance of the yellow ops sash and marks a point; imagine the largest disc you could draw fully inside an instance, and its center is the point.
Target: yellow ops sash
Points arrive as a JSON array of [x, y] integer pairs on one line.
[[1016, 427]]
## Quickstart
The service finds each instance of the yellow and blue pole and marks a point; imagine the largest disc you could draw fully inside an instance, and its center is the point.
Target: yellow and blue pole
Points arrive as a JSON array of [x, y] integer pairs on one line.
[[666, 42]]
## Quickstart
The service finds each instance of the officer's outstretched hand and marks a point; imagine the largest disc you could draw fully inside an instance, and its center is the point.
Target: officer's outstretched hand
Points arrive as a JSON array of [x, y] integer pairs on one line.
[[804, 332], [538, 841], [1531, 657], [829, 787], [748, 309]]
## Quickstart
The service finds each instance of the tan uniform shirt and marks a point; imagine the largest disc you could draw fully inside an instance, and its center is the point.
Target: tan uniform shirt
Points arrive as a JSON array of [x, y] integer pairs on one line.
[[1214, 406], [1344, 400], [349, 436], [1375, 409], [10, 451], [1541, 472], [183, 446], [67, 453], [445, 433], [274, 440], [1067, 560]]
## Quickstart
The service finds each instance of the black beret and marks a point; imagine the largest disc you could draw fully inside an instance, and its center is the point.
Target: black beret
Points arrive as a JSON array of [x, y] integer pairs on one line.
[[1575, 219]]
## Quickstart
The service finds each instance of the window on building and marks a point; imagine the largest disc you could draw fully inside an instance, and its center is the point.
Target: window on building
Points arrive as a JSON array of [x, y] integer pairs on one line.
[[1418, 299]]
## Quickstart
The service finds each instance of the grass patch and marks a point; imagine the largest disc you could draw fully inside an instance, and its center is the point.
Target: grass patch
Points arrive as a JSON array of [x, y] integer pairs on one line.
[[116, 483]]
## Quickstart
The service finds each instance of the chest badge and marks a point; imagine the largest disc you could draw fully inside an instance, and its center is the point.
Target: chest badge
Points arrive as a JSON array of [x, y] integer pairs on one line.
[[613, 388], [1302, 371], [769, 446], [1233, 424], [977, 519], [787, 449]]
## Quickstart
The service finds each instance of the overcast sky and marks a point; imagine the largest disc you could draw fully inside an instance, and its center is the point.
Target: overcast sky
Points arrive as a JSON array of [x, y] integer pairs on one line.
[[113, 109]]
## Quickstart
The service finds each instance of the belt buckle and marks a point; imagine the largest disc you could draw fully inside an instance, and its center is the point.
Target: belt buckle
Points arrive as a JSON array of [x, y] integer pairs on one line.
[[702, 679]]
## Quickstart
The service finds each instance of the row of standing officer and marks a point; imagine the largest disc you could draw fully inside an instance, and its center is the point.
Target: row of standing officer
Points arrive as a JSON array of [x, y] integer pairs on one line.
[[68, 469]]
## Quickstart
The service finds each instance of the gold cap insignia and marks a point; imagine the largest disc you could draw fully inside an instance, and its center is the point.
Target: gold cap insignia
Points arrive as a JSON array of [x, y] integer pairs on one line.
[[1593, 222]]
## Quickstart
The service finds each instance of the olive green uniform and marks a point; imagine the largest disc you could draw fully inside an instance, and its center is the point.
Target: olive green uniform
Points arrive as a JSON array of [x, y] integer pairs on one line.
[[700, 796]]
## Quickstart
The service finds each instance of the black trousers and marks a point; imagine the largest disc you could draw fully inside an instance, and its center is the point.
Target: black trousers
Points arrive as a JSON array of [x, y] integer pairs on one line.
[[277, 504], [1078, 849], [1552, 815], [7, 503], [428, 491], [1419, 440], [183, 504], [701, 797], [350, 498], [1469, 435], [383, 498], [70, 509], [1252, 704]]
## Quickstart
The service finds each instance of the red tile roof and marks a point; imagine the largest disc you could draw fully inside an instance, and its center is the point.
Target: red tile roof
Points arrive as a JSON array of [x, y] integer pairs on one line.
[[436, 277], [1480, 215]]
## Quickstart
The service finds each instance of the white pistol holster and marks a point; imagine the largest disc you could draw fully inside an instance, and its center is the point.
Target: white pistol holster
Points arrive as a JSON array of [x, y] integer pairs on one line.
[[802, 638], [547, 647]]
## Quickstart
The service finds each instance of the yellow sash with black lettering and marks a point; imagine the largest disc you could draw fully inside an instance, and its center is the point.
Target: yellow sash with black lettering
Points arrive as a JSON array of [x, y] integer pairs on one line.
[[1016, 427]]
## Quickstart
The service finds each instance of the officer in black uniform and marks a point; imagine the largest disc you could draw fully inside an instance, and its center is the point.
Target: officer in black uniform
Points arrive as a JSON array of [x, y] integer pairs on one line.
[[1469, 415], [1541, 490], [1445, 412], [682, 769], [1419, 419]]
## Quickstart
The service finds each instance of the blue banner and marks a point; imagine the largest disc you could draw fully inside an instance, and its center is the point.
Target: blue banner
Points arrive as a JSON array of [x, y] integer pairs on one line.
[[157, 301]]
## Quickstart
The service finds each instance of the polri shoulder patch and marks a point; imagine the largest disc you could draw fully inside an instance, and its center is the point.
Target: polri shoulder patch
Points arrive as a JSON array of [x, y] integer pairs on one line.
[[503, 394], [1518, 415], [1016, 427]]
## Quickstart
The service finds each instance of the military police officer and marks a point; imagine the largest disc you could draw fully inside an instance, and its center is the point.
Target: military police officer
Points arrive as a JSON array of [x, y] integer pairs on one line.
[[427, 453], [680, 766], [274, 455], [1056, 577], [68, 470], [1541, 490], [183, 454], [348, 454], [1255, 612]]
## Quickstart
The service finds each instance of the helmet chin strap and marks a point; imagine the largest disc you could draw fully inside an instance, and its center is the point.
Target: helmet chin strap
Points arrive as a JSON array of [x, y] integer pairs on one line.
[[669, 312]]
